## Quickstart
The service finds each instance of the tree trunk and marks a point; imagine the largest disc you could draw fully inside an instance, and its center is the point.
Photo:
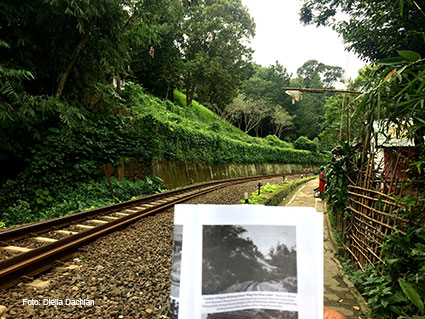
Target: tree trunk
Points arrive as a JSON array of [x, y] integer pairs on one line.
[[189, 95], [188, 100], [118, 83], [71, 63]]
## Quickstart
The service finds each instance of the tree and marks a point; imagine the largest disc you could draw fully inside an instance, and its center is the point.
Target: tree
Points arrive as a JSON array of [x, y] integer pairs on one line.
[[228, 258], [373, 29], [248, 112], [72, 49], [36, 31], [338, 119], [72, 46], [309, 112], [267, 83], [281, 120], [318, 75], [214, 48], [282, 255], [155, 60]]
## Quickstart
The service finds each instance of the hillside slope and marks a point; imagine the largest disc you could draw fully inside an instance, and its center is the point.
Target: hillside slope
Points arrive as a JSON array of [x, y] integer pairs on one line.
[[197, 133], [62, 175]]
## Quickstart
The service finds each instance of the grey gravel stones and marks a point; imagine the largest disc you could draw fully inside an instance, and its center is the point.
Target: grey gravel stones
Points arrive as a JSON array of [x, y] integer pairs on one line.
[[126, 273]]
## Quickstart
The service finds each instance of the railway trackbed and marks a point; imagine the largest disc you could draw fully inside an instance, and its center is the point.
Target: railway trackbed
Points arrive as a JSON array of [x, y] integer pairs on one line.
[[31, 249]]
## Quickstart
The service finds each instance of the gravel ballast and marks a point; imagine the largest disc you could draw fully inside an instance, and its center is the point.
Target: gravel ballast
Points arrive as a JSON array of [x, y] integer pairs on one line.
[[125, 274]]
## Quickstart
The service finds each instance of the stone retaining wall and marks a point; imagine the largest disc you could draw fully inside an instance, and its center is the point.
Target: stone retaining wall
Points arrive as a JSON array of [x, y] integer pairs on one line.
[[179, 173]]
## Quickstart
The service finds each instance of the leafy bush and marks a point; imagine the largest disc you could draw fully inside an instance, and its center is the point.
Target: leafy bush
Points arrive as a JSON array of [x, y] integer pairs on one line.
[[303, 143], [273, 140], [398, 290], [76, 198], [267, 189], [338, 171]]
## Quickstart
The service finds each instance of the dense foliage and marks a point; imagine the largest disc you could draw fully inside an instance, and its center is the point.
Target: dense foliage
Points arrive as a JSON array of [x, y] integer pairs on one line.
[[215, 51], [65, 165], [340, 171], [303, 143], [398, 99], [397, 291], [309, 112], [49, 202], [243, 261], [264, 108], [65, 108], [391, 34]]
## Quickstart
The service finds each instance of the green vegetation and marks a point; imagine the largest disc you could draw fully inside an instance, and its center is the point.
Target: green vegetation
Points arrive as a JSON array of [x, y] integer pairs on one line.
[[266, 190], [62, 174], [50, 203], [303, 143], [263, 108], [375, 29], [197, 133], [273, 195], [390, 34], [398, 290], [65, 109]]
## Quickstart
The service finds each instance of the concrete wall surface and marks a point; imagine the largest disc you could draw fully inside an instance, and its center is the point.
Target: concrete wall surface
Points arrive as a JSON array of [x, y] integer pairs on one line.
[[179, 173]]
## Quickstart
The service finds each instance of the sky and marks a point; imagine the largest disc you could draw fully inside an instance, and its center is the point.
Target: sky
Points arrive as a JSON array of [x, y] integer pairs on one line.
[[280, 36], [267, 236]]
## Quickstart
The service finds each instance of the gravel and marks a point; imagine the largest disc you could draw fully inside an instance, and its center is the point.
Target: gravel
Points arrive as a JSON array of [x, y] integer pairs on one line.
[[126, 273]]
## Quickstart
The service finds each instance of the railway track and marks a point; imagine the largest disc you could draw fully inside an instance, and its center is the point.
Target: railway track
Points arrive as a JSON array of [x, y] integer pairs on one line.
[[31, 249]]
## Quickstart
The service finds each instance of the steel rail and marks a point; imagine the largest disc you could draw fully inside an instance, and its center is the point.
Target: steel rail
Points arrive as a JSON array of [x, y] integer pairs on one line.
[[39, 227], [40, 259]]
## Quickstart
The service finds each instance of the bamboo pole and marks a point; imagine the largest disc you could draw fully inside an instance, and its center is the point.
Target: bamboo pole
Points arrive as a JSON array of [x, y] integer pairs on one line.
[[348, 120], [341, 119], [311, 90]]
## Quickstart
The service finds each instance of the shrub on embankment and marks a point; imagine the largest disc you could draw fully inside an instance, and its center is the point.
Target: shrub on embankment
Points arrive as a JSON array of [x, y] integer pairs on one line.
[[273, 195], [65, 164]]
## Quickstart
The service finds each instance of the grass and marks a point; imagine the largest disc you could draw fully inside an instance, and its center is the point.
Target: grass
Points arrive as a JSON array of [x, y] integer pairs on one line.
[[198, 117]]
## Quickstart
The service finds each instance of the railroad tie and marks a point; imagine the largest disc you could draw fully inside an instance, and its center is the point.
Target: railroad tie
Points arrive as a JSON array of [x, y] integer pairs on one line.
[[139, 208], [131, 211], [16, 249], [97, 221], [110, 217], [66, 232], [160, 201], [45, 239], [121, 214], [84, 226]]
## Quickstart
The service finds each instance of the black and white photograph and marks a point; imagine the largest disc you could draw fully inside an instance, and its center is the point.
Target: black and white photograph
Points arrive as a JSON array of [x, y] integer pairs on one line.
[[175, 271], [241, 258]]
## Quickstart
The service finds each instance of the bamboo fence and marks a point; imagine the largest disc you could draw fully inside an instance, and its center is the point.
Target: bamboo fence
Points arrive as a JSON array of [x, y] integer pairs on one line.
[[376, 212]]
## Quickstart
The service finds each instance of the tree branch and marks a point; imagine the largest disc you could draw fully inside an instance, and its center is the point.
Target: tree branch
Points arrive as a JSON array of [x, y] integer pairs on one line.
[[71, 63]]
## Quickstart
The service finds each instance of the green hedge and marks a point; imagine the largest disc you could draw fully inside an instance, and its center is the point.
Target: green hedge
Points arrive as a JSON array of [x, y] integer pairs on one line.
[[277, 197], [174, 141], [273, 195], [303, 143]]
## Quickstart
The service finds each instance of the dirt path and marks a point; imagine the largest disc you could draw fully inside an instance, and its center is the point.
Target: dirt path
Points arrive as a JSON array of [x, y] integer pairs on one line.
[[340, 293]]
